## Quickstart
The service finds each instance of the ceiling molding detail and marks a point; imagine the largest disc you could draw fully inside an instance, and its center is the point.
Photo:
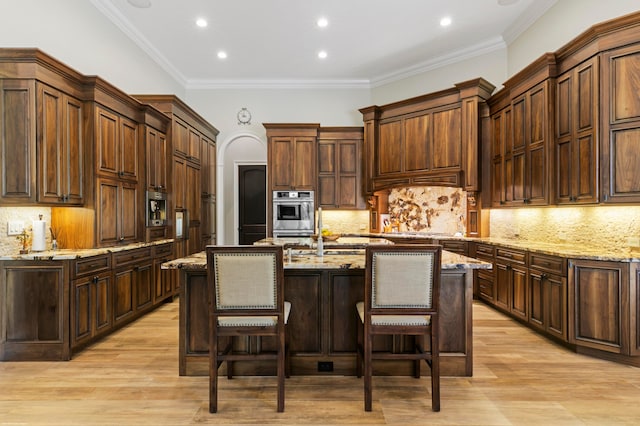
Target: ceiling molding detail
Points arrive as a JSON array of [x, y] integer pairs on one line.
[[533, 13], [439, 62], [130, 31]]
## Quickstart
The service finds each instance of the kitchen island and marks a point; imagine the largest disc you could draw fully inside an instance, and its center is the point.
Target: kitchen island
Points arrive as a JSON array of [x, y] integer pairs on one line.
[[323, 291]]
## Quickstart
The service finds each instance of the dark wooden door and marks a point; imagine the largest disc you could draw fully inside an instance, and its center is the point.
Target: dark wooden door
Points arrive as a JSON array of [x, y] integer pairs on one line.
[[252, 203]]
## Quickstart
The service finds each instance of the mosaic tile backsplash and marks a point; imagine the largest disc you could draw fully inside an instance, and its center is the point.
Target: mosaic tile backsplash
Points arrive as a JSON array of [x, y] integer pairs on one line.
[[434, 209]]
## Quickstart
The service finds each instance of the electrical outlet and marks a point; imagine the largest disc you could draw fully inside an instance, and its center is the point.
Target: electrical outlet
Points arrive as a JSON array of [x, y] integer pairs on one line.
[[15, 227], [633, 241]]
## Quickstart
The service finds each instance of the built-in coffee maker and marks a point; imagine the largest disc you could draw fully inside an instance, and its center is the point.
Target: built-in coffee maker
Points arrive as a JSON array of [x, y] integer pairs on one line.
[[156, 212]]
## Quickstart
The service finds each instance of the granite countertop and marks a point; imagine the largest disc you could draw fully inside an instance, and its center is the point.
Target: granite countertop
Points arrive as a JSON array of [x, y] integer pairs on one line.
[[333, 259], [70, 254], [566, 250], [351, 241]]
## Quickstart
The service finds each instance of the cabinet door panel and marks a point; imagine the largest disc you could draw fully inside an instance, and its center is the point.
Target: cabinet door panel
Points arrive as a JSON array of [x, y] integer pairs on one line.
[[73, 151], [194, 146], [327, 191], [537, 306], [82, 311], [537, 116], [519, 293], [390, 148], [418, 146], [599, 308], [180, 137], [348, 191], [102, 303], [106, 145], [17, 139], [144, 282], [128, 146], [447, 139], [305, 163], [50, 144], [538, 176], [129, 213], [502, 286], [346, 291], [123, 294], [626, 86], [625, 153], [281, 163], [305, 323], [109, 208], [179, 181], [556, 304]]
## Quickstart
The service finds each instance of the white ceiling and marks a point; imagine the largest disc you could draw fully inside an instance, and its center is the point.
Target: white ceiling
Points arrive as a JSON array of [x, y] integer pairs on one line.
[[275, 42]]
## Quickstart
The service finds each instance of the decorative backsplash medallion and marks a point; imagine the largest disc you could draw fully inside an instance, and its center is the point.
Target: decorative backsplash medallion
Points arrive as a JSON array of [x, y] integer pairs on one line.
[[429, 209]]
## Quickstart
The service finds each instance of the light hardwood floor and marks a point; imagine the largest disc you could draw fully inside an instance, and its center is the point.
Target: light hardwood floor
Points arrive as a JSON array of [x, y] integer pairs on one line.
[[131, 378]]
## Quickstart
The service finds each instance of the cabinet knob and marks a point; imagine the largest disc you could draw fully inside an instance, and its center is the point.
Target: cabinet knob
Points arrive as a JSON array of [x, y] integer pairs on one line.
[[95, 280]]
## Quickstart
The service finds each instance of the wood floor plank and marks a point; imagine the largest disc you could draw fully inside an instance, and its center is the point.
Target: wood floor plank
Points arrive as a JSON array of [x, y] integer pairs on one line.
[[131, 378]]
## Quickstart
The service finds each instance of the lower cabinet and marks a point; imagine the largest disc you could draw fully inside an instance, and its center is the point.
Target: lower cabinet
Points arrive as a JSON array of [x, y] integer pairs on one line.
[[91, 305], [34, 307], [511, 273], [599, 302], [132, 280], [548, 294]]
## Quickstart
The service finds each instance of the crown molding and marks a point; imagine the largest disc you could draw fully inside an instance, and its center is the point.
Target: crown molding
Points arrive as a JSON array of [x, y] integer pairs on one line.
[[114, 15], [531, 15]]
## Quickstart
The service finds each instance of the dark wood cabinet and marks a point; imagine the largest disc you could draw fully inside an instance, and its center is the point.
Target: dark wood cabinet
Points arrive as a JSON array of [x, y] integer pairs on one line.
[[191, 173], [599, 315], [511, 284], [292, 156], [548, 294], [34, 307], [576, 142], [432, 139], [91, 307], [61, 147], [133, 284], [292, 150], [18, 142], [484, 278], [116, 145], [157, 160], [339, 168], [162, 285], [118, 215], [91, 299], [621, 125], [525, 148]]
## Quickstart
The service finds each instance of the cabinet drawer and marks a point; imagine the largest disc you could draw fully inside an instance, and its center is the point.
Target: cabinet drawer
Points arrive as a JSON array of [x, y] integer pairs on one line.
[[91, 265], [552, 264], [485, 251], [165, 250], [460, 247], [513, 256], [130, 256]]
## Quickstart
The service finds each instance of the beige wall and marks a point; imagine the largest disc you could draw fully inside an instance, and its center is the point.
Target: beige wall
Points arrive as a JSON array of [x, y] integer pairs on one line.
[[563, 22]]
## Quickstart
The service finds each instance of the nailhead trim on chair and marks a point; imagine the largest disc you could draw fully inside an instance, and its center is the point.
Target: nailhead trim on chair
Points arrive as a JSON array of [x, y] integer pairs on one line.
[[398, 283]]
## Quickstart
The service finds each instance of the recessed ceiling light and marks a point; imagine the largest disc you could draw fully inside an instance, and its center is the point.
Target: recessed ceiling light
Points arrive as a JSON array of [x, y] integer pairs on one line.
[[201, 22], [322, 22], [445, 22], [322, 54], [142, 4], [222, 54]]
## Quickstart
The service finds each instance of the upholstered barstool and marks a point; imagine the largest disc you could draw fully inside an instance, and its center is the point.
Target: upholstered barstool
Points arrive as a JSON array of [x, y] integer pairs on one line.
[[246, 299], [402, 286]]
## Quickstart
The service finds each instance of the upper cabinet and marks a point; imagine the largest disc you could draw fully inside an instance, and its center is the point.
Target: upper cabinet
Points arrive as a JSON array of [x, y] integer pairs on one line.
[[432, 139], [565, 130], [522, 133], [339, 168], [291, 152], [61, 147], [116, 145], [620, 164], [576, 142]]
